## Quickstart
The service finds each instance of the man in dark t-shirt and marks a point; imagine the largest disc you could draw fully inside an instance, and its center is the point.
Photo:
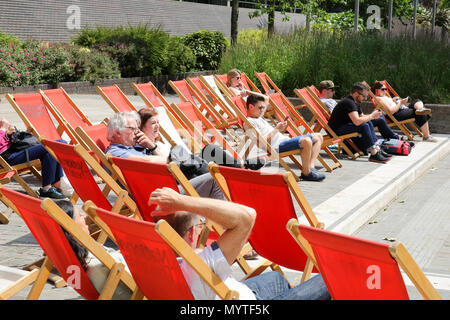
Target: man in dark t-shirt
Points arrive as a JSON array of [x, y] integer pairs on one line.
[[347, 117]]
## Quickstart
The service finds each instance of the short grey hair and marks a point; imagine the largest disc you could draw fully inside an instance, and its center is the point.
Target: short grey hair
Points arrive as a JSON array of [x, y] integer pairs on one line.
[[119, 121]]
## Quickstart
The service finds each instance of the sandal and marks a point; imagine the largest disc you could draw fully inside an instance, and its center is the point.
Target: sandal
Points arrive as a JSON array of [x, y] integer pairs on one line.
[[252, 255]]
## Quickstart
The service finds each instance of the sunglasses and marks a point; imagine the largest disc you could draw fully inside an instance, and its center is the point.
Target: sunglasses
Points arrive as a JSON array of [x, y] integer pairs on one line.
[[383, 89]]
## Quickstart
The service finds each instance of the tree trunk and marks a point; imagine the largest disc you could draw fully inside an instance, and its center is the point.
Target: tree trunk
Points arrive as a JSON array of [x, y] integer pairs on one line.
[[271, 18], [234, 21]]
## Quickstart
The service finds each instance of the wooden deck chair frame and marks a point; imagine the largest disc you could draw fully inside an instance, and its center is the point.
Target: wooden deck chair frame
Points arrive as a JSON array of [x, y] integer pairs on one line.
[[397, 251], [63, 120], [393, 122], [117, 270], [228, 117], [206, 124], [322, 124], [129, 106], [177, 123], [222, 84], [299, 197], [314, 92], [202, 102], [174, 171], [5, 177], [62, 127], [294, 131], [123, 199], [174, 241], [260, 141], [18, 280]]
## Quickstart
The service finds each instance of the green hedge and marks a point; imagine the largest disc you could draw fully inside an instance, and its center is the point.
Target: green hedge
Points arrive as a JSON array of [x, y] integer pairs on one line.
[[418, 68]]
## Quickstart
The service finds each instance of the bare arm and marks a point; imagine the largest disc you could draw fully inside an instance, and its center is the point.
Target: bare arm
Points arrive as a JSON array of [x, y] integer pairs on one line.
[[237, 219], [358, 119]]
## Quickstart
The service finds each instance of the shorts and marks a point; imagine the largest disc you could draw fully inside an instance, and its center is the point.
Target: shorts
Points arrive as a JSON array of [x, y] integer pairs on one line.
[[294, 143]]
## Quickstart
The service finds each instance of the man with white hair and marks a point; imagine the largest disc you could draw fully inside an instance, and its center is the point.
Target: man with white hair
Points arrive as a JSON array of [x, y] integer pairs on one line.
[[128, 141]]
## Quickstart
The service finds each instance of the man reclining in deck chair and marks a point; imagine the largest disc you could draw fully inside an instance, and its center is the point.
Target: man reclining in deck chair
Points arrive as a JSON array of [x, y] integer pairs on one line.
[[348, 117], [128, 141], [309, 144], [238, 220]]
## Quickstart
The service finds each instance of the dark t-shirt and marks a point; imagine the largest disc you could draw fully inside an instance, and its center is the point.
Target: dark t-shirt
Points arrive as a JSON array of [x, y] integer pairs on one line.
[[340, 116]]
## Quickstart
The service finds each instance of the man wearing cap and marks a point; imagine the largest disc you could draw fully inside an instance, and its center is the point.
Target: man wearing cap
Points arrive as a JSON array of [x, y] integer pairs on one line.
[[326, 93]]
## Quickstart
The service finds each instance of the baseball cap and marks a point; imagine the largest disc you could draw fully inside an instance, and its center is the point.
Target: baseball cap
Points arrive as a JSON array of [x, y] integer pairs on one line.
[[326, 84]]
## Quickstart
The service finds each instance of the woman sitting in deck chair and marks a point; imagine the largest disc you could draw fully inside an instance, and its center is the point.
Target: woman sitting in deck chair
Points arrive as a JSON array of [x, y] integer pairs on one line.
[[401, 110], [51, 169]]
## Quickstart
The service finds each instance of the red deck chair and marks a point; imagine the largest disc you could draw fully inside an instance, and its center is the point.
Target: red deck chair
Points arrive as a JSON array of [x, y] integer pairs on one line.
[[143, 178], [75, 160], [321, 123], [32, 110], [154, 99], [63, 103], [266, 83], [148, 249], [192, 117], [44, 219], [354, 268], [390, 119], [116, 99], [270, 196], [186, 93]]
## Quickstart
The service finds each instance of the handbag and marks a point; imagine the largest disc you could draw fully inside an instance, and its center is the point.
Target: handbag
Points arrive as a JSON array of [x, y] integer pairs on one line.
[[191, 165], [20, 140]]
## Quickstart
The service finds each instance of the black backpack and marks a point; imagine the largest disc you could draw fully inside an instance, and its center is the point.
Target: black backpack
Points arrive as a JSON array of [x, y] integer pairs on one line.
[[20, 140]]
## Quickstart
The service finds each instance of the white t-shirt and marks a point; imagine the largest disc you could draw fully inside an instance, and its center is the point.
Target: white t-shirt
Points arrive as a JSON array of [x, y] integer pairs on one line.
[[264, 129], [215, 259], [330, 103]]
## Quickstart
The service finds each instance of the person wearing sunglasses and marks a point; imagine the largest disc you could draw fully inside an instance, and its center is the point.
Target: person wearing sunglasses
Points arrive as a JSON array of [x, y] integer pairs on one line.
[[185, 214], [402, 110], [309, 144], [326, 92], [347, 117]]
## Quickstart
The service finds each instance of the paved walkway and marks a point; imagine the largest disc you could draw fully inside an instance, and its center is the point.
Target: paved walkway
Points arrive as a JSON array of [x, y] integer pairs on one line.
[[405, 200]]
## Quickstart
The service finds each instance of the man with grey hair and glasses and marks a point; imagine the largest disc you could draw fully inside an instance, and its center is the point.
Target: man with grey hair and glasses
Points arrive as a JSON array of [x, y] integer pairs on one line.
[[128, 141]]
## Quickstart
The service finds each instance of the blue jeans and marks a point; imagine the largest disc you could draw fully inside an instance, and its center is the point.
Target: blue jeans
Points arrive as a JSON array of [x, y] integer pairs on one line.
[[51, 169], [273, 286], [294, 143]]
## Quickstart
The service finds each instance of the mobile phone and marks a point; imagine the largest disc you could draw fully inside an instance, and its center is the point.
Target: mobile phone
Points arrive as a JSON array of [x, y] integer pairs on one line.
[[285, 119]]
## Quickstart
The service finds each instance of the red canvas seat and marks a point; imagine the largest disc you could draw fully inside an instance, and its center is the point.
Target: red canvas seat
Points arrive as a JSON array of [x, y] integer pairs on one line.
[[270, 195], [45, 219], [52, 240], [355, 268], [143, 177], [31, 108], [148, 249], [115, 98], [62, 103]]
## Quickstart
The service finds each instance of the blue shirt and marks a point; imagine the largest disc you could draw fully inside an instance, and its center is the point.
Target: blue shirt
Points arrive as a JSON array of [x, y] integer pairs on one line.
[[121, 151]]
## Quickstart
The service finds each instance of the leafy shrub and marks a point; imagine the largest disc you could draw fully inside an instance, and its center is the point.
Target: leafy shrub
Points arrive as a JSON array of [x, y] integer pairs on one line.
[[208, 48], [33, 62], [139, 50], [7, 38], [419, 68], [252, 36]]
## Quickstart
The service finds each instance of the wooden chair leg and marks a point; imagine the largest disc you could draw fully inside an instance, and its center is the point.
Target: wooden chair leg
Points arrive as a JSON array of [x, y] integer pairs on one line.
[[4, 216], [39, 284], [19, 285], [307, 271], [112, 281], [137, 295]]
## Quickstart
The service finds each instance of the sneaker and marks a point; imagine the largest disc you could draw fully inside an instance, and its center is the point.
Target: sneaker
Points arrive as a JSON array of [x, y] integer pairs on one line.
[[313, 176], [429, 139], [378, 157], [254, 165], [385, 154], [51, 193], [423, 111]]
